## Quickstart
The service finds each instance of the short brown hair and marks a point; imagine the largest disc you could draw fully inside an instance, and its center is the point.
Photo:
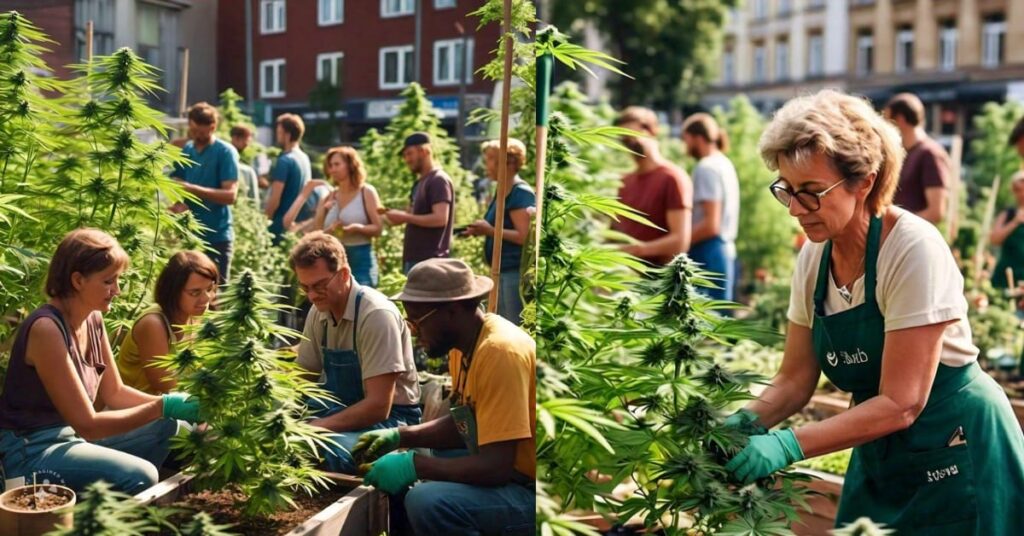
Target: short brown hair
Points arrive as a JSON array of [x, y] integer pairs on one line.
[[356, 170], [318, 245], [175, 276], [907, 106], [240, 131], [645, 116], [292, 124], [202, 113], [516, 151], [705, 126], [85, 251], [1017, 133]]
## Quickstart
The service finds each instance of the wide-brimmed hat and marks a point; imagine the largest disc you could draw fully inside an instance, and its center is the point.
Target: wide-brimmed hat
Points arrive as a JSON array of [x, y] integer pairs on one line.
[[443, 280]]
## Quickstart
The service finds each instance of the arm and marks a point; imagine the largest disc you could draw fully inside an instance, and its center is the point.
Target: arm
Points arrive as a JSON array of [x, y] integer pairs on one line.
[[372, 409], [438, 216], [711, 225], [909, 363], [293, 211], [937, 197], [439, 433], [493, 466], [50, 359], [112, 391], [321, 212], [150, 337], [516, 235], [274, 200], [225, 195], [675, 242], [792, 387], [1004, 227], [374, 228]]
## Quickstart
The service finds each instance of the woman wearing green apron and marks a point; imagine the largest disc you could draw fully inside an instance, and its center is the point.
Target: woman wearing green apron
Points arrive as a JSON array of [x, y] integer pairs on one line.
[[1009, 235], [877, 304]]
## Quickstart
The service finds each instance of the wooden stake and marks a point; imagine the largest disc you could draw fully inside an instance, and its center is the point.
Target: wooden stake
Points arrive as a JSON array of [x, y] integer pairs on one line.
[[183, 91], [503, 178], [955, 156], [88, 41], [538, 218], [986, 227]]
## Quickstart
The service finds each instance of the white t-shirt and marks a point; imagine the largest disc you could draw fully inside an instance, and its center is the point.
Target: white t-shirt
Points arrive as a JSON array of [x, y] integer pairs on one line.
[[918, 284], [714, 179]]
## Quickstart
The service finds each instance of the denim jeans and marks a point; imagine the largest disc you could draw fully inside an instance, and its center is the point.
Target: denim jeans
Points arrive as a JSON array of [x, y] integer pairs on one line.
[[339, 459], [713, 254], [128, 461], [510, 303], [452, 508]]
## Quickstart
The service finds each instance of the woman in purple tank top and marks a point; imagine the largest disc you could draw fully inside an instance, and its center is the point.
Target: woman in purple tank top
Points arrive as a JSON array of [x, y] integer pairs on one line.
[[62, 369]]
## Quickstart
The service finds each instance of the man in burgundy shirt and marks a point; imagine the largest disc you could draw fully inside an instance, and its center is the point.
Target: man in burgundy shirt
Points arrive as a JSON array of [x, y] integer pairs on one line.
[[658, 188], [925, 177]]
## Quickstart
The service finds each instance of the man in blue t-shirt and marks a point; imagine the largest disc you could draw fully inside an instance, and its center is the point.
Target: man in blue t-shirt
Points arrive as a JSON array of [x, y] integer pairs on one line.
[[213, 178], [290, 174]]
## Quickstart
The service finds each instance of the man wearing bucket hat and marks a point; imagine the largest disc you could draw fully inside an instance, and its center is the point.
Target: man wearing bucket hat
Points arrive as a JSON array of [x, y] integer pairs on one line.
[[493, 367], [428, 219]]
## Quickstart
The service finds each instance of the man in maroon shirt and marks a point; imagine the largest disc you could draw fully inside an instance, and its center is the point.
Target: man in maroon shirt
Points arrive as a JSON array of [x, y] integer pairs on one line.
[[658, 188], [925, 177]]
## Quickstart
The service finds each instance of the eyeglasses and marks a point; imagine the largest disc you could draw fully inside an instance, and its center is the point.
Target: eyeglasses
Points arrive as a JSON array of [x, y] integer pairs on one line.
[[319, 287], [414, 325], [809, 200]]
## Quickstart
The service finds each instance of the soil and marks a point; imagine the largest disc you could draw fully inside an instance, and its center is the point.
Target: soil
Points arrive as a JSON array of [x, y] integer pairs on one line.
[[41, 501], [221, 506]]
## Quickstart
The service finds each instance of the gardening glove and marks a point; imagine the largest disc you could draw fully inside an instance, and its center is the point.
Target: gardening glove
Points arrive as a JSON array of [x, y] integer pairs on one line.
[[181, 406], [392, 473], [746, 421], [371, 445], [764, 455]]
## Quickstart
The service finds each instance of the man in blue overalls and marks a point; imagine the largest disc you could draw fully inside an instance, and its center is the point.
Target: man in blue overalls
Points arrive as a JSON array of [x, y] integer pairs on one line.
[[358, 345]]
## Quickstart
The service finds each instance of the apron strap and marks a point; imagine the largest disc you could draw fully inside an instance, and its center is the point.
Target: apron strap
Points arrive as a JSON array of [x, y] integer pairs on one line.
[[355, 321], [870, 268]]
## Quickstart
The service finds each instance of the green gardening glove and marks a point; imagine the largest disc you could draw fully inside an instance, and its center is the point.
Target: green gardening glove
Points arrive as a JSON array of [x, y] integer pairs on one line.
[[746, 421], [764, 455], [392, 473], [181, 406], [375, 443]]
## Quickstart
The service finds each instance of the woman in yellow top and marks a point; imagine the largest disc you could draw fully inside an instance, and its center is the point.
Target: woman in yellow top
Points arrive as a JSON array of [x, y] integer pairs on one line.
[[184, 290]]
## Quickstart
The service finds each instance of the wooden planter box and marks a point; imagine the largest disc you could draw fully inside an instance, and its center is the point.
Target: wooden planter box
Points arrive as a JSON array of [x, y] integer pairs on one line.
[[822, 517], [360, 512]]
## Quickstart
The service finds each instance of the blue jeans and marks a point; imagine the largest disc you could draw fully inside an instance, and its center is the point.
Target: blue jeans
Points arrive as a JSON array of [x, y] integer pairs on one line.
[[452, 508], [713, 255], [363, 264], [510, 303], [128, 461], [339, 459]]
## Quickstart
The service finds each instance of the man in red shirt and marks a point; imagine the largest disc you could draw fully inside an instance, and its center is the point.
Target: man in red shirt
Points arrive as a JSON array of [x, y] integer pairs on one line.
[[925, 176], [658, 188]]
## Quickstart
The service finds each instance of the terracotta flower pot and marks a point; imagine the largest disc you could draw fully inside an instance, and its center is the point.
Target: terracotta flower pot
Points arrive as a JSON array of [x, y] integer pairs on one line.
[[17, 521]]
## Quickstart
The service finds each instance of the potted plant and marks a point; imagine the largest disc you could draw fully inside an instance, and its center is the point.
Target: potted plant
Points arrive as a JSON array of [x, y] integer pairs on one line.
[[35, 509]]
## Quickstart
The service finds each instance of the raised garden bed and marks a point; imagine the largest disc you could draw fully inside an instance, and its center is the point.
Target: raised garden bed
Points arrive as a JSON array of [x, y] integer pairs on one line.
[[347, 509], [824, 504]]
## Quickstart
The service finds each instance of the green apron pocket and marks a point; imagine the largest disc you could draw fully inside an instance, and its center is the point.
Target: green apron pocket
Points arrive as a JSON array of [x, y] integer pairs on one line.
[[945, 497]]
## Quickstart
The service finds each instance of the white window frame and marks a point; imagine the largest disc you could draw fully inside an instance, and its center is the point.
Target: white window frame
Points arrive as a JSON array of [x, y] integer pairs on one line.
[[401, 51], [760, 9], [760, 64], [782, 60], [863, 62], [322, 17], [993, 33], [265, 27], [408, 5], [448, 4], [451, 46], [816, 54], [947, 48], [728, 67], [785, 7], [279, 63], [904, 62], [333, 57]]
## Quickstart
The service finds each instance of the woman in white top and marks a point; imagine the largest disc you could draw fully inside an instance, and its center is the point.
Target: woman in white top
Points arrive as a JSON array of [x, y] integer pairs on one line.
[[350, 212], [877, 304]]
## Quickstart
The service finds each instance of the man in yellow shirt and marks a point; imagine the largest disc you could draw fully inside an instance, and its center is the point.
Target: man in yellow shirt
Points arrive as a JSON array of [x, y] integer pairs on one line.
[[493, 364]]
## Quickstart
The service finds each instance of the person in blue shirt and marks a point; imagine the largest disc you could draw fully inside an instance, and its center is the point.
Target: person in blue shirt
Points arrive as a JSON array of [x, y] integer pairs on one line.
[[519, 201], [289, 176], [213, 178]]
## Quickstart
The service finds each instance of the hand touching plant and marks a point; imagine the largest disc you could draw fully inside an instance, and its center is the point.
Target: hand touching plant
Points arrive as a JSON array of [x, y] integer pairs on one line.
[[375, 443]]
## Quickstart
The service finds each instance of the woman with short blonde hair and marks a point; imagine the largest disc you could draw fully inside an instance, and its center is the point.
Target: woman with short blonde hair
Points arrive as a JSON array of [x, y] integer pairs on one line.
[[877, 304]]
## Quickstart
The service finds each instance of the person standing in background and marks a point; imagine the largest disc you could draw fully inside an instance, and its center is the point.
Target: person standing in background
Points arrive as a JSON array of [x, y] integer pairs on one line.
[[925, 177], [248, 182], [290, 174]]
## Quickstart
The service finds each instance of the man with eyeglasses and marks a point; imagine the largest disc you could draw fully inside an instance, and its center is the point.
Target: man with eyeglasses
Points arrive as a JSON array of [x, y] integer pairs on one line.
[[493, 366], [357, 345]]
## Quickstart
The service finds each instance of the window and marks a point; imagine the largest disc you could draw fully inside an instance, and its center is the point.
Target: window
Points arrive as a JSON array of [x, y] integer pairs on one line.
[[395, 67], [759, 64], [443, 4], [272, 16], [729, 68], [865, 53], [947, 46], [328, 67], [449, 61], [101, 13], [815, 4], [148, 32], [815, 55], [993, 41], [330, 12], [781, 60], [904, 49], [397, 8], [272, 78], [785, 7], [760, 9]]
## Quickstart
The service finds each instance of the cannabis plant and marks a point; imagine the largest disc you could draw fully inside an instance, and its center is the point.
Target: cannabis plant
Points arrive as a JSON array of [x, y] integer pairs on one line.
[[253, 401], [991, 156]]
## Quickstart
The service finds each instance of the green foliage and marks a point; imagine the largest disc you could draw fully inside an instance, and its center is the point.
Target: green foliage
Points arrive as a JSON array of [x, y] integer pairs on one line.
[[995, 328], [767, 230], [672, 48], [629, 387], [770, 303], [253, 401], [387, 172], [833, 462], [231, 115], [991, 155], [325, 97], [863, 526]]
